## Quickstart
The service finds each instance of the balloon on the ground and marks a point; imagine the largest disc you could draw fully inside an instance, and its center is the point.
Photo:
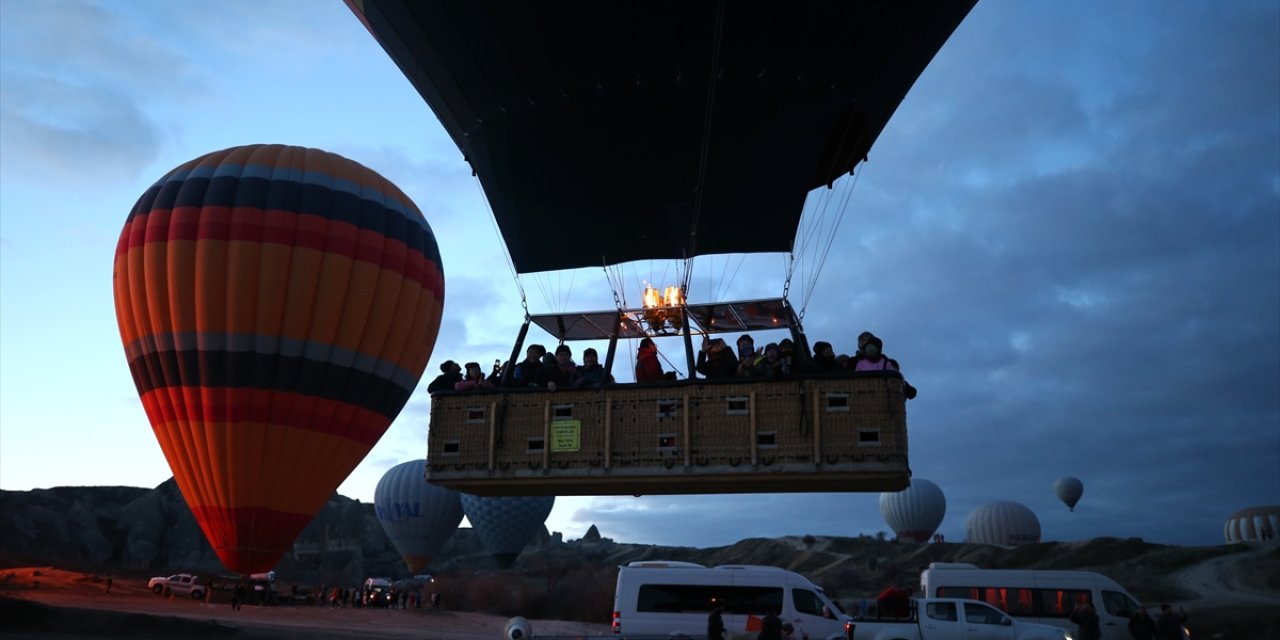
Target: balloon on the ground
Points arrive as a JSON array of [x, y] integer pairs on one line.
[[418, 517], [915, 512], [507, 524], [1069, 490], [1002, 523], [277, 306]]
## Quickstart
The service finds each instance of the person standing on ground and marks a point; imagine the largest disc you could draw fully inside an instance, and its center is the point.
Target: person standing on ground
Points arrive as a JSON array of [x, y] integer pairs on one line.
[[1169, 626], [1141, 625], [770, 627], [715, 624], [1086, 618]]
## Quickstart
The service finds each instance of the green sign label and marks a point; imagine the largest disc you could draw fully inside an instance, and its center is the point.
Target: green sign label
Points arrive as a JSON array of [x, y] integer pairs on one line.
[[566, 435]]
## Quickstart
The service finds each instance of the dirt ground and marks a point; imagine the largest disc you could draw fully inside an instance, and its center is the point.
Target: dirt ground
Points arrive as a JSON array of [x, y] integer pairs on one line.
[[45, 603]]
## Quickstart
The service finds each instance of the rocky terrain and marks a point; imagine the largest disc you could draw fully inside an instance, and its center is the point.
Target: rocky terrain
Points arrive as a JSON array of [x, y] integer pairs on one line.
[[133, 533]]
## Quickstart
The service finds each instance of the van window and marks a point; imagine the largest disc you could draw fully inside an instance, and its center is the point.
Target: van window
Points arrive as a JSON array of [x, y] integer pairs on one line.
[[1119, 604], [1058, 603], [807, 601], [692, 598], [941, 611]]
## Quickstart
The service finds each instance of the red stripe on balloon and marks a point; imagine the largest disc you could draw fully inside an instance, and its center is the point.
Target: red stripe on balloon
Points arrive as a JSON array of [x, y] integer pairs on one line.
[[284, 228], [267, 407]]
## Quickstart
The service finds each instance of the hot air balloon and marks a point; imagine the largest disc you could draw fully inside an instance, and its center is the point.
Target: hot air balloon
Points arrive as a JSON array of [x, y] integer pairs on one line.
[[1069, 490], [1253, 524], [915, 512], [1002, 523], [614, 132], [277, 306], [506, 524], [419, 517]]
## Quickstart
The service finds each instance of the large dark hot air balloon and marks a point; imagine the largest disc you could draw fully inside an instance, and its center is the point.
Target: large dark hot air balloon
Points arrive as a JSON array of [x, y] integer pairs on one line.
[[612, 132], [277, 306]]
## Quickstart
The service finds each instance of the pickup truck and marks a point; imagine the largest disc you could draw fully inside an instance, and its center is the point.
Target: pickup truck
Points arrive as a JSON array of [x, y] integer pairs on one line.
[[178, 584], [951, 619]]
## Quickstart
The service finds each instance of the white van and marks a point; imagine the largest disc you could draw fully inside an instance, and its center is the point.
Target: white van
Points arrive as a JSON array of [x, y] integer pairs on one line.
[[1046, 597], [670, 598]]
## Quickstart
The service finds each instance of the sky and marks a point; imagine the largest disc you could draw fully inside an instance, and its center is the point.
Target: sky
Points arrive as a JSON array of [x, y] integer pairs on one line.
[[1068, 235]]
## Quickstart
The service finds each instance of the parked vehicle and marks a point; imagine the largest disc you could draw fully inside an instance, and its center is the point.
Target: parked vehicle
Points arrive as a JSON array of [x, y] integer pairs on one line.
[[178, 584], [1045, 597], [670, 597], [952, 619], [377, 593]]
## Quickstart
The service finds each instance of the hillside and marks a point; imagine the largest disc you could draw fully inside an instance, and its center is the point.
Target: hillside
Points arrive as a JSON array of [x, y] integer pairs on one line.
[[138, 532]]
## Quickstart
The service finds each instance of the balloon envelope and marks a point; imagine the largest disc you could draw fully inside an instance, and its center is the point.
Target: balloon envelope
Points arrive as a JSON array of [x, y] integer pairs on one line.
[[915, 512], [699, 129], [1254, 524], [1002, 523], [277, 306], [418, 517], [1069, 491], [505, 525]]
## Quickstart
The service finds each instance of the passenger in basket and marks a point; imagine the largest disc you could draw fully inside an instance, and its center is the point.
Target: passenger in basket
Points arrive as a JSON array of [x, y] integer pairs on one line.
[[450, 375], [748, 357], [591, 373], [526, 371], [871, 358], [787, 352], [474, 379], [714, 360], [871, 355], [562, 370], [648, 369], [771, 365], [824, 358]]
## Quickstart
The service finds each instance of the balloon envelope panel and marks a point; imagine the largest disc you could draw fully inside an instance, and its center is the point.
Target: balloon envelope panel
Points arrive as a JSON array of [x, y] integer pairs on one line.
[[915, 512], [277, 306], [1254, 524], [1002, 523], [506, 525], [418, 517]]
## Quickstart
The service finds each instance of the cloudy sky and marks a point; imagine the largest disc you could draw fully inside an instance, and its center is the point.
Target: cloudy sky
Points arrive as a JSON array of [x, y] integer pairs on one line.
[[1069, 236]]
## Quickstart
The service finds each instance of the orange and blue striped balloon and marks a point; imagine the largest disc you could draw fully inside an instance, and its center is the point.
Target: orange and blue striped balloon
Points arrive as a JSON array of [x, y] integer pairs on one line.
[[277, 305]]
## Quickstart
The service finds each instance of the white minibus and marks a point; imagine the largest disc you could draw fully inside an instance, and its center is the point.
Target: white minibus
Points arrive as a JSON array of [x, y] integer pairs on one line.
[[1037, 596], [672, 598]]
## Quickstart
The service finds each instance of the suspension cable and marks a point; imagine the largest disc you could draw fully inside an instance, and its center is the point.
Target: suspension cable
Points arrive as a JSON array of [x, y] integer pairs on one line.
[[506, 252]]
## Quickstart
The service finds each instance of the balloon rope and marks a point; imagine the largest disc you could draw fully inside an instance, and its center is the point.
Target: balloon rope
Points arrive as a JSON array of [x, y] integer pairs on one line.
[[506, 253]]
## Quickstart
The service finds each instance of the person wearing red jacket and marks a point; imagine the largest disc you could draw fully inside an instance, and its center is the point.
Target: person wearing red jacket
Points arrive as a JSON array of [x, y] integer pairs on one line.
[[648, 369]]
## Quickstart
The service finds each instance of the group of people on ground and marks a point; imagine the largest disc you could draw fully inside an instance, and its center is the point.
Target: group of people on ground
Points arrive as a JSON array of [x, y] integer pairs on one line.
[[542, 370], [1141, 625], [771, 627]]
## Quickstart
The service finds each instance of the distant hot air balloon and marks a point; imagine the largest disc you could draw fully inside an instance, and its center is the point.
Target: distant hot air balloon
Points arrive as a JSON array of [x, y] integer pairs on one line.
[[419, 517], [277, 306], [1254, 524], [915, 512], [1069, 490], [506, 525], [1002, 523]]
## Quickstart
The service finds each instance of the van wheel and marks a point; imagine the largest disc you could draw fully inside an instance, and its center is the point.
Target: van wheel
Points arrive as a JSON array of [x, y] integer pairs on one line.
[[158, 589], [197, 595]]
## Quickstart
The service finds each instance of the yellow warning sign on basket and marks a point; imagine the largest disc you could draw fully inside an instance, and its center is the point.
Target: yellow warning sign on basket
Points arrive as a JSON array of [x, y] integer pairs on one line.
[[566, 435]]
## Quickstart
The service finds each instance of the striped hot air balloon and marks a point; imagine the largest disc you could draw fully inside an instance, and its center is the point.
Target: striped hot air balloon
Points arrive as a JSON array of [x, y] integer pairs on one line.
[[277, 305]]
